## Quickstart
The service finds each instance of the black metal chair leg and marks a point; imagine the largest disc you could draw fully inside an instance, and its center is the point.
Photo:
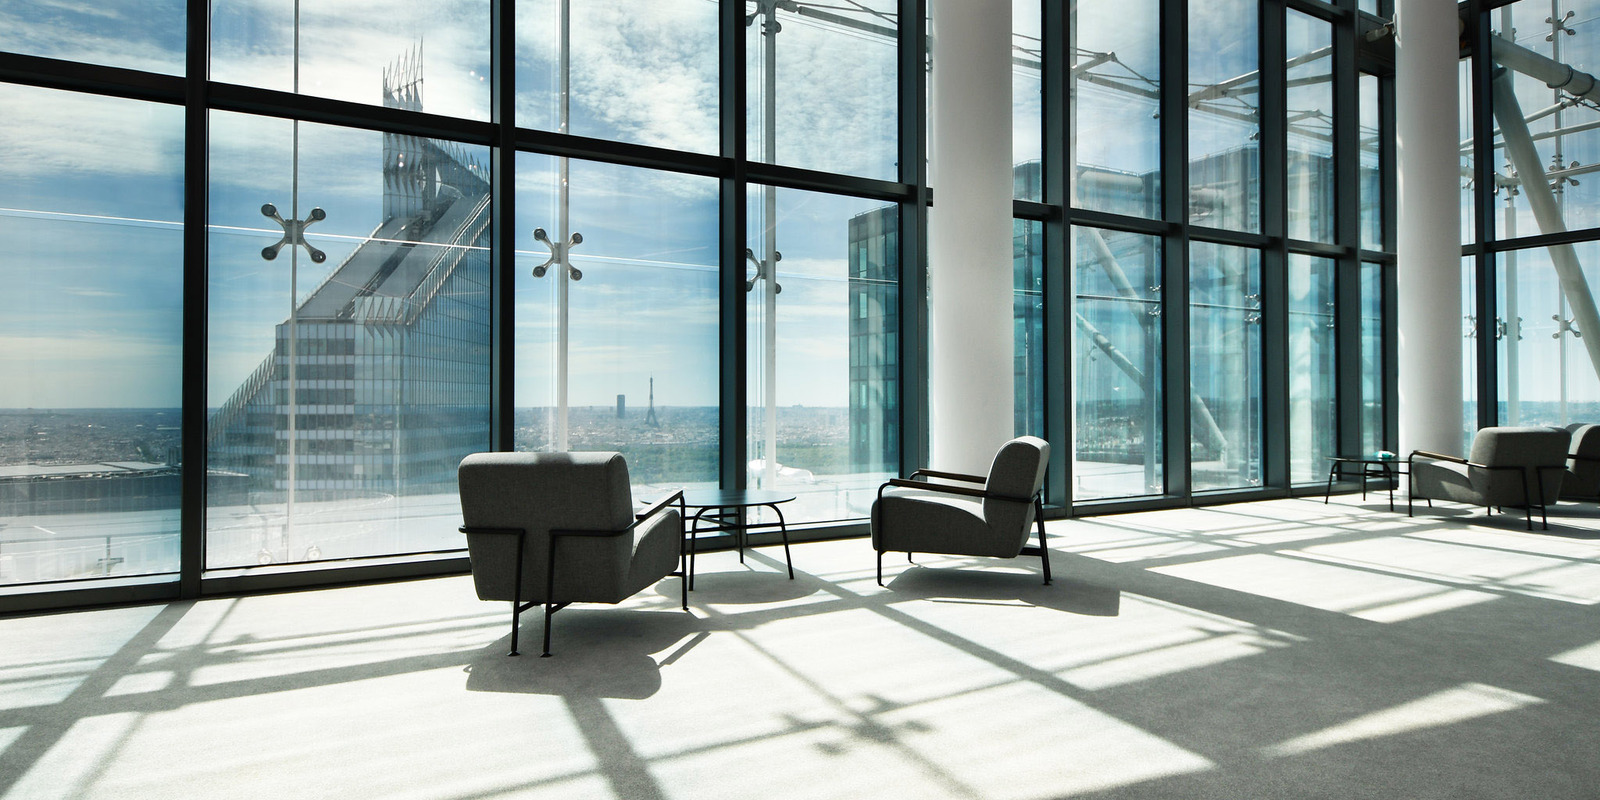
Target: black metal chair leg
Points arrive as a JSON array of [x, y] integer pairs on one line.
[[1329, 491], [1044, 552], [516, 595], [880, 567], [549, 611]]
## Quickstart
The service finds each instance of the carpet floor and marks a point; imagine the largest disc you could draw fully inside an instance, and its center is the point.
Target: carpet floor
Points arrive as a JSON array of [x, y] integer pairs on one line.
[[1279, 649]]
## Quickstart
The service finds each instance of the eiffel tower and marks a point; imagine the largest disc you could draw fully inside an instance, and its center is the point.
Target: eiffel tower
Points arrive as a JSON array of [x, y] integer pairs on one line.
[[650, 418]]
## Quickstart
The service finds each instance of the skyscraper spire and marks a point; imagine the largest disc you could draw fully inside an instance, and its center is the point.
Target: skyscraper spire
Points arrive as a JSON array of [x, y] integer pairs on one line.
[[650, 418]]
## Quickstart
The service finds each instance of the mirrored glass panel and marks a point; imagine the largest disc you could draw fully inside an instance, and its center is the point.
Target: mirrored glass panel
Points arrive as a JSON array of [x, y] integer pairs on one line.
[[1549, 366], [620, 70], [617, 317], [1224, 99], [1115, 144], [421, 56], [1224, 366], [1309, 125], [91, 336], [1313, 368], [349, 324], [823, 298], [134, 34], [822, 81], [1116, 343], [1027, 303], [1027, 87]]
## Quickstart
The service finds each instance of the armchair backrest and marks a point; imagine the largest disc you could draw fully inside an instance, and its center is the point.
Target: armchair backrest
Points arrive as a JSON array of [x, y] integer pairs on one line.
[[536, 492], [1584, 470], [1017, 471], [1529, 447]]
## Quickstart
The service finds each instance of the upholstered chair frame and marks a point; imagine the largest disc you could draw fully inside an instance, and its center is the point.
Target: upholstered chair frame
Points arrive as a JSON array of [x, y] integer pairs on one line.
[[1504, 469]]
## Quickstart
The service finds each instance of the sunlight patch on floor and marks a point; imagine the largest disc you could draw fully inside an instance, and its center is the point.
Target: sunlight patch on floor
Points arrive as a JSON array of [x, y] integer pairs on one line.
[[1458, 704]]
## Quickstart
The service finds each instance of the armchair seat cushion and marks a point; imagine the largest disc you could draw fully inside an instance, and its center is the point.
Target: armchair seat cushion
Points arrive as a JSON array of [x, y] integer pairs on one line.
[[937, 522], [1445, 480]]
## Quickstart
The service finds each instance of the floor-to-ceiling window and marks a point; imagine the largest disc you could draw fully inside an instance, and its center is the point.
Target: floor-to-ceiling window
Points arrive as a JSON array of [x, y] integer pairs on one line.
[[1537, 353]]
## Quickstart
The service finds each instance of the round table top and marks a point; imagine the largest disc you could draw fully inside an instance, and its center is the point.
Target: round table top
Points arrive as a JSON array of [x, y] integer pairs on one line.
[[733, 498]]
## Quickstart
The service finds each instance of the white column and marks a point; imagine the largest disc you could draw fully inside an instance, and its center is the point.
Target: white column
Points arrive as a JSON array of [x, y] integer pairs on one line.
[[1429, 235], [970, 369]]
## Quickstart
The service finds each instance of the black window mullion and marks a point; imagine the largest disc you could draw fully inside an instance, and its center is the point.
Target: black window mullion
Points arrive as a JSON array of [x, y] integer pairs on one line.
[[1175, 245], [1273, 207], [1056, 172], [196, 199], [913, 296], [503, 166], [733, 211]]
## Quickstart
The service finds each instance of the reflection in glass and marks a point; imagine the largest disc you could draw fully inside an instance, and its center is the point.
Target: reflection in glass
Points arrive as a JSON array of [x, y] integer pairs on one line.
[[348, 373], [1027, 95], [823, 82], [1313, 368], [91, 337], [1225, 366], [1372, 359], [1116, 345], [616, 309], [133, 34], [1224, 107], [1027, 303], [1116, 96], [1547, 370], [357, 50], [824, 330], [1369, 179], [620, 70], [1309, 74]]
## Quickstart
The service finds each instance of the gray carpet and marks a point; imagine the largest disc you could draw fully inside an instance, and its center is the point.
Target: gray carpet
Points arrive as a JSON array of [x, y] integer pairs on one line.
[[1277, 649]]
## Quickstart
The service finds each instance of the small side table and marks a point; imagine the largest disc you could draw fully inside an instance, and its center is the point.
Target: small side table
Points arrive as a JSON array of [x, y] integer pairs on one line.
[[717, 510], [1364, 468]]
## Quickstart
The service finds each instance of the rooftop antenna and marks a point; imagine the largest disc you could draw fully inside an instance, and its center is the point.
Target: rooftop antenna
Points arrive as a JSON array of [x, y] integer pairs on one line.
[[650, 418]]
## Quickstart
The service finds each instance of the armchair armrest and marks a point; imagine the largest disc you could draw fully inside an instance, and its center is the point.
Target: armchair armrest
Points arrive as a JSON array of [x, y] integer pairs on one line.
[[505, 531], [1439, 457], [950, 476], [654, 508], [940, 487]]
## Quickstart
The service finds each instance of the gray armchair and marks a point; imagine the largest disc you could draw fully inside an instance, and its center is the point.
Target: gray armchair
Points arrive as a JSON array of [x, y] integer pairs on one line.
[[988, 516], [559, 528], [1583, 464], [1516, 467]]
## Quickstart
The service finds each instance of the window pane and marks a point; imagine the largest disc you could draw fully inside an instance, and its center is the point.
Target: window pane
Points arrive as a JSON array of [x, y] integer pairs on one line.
[[621, 354], [91, 336], [1116, 98], [1369, 178], [1372, 360], [133, 34], [1224, 104], [1313, 369], [823, 86], [633, 72], [1548, 374], [1117, 335], [1224, 366], [1027, 302], [363, 51], [1550, 159], [1469, 353], [1027, 96], [349, 447], [1469, 221], [824, 395], [1309, 73]]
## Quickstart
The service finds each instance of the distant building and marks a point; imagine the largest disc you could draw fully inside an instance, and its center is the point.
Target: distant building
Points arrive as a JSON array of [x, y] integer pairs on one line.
[[393, 348]]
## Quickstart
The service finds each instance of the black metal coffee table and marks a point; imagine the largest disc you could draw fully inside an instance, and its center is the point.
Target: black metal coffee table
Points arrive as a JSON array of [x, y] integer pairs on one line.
[[1364, 467], [718, 510]]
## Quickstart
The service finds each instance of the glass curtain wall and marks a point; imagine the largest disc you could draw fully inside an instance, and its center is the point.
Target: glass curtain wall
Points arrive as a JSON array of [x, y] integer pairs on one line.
[[1225, 366], [350, 318], [1539, 181]]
